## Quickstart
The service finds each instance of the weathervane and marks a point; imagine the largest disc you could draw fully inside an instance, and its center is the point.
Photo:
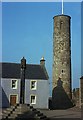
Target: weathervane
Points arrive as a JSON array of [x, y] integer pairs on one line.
[[62, 6]]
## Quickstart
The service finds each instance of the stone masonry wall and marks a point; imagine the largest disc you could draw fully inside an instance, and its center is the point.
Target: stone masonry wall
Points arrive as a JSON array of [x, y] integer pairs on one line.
[[62, 52], [81, 91]]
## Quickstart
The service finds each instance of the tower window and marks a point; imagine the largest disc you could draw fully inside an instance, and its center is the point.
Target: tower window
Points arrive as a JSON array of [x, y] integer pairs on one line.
[[62, 71], [61, 24]]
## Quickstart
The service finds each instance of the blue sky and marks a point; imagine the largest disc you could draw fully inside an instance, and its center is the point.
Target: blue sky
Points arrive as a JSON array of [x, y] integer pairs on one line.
[[81, 38], [27, 30], [0, 31]]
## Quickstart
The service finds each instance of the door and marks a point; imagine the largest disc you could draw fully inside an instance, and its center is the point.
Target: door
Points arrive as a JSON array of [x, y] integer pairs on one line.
[[13, 99]]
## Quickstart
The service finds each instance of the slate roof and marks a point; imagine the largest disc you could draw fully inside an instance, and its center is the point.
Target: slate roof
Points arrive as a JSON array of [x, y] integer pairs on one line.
[[13, 70]]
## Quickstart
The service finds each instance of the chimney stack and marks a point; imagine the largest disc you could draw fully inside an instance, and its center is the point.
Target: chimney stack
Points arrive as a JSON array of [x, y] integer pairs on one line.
[[42, 61]]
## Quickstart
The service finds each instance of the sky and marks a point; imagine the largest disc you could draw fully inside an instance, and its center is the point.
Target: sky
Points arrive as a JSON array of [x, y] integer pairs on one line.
[[27, 30], [81, 39], [0, 31], [41, 0]]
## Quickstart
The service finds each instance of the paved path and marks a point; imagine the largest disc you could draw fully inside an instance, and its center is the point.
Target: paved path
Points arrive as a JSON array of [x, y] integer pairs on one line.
[[0, 113], [74, 113], [69, 113]]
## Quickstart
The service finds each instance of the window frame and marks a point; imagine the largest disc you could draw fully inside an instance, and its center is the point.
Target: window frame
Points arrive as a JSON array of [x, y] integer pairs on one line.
[[33, 103], [15, 84], [35, 88]]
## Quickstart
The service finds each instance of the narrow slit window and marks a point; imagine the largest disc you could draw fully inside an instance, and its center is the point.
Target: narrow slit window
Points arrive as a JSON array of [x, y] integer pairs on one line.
[[62, 71], [61, 25]]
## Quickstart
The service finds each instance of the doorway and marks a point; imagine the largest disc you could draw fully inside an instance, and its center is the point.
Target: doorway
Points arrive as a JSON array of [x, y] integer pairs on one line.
[[13, 99]]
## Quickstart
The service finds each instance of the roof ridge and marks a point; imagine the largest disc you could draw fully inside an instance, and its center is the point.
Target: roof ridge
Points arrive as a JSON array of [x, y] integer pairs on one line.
[[34, 64], [9, 63], [18, 63]]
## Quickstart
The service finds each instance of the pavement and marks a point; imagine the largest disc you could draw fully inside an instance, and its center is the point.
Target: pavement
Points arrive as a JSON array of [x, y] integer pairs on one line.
[[0, 113], [74, 113], [68, 114]]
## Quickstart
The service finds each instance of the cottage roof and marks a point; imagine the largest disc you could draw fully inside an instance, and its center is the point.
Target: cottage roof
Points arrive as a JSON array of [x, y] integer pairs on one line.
[[13, 70]]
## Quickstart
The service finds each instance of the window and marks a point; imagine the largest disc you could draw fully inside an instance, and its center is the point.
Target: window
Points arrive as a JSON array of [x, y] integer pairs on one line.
[[61, 24], [62, 71], [33, 99], [14, 84], [33, 85]]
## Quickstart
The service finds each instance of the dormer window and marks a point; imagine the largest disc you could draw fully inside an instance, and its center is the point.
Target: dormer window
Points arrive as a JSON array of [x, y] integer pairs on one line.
[[14, 84]]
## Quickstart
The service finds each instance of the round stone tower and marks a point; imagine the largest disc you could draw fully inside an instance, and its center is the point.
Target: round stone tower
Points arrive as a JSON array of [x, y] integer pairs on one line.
[[62, 54]]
